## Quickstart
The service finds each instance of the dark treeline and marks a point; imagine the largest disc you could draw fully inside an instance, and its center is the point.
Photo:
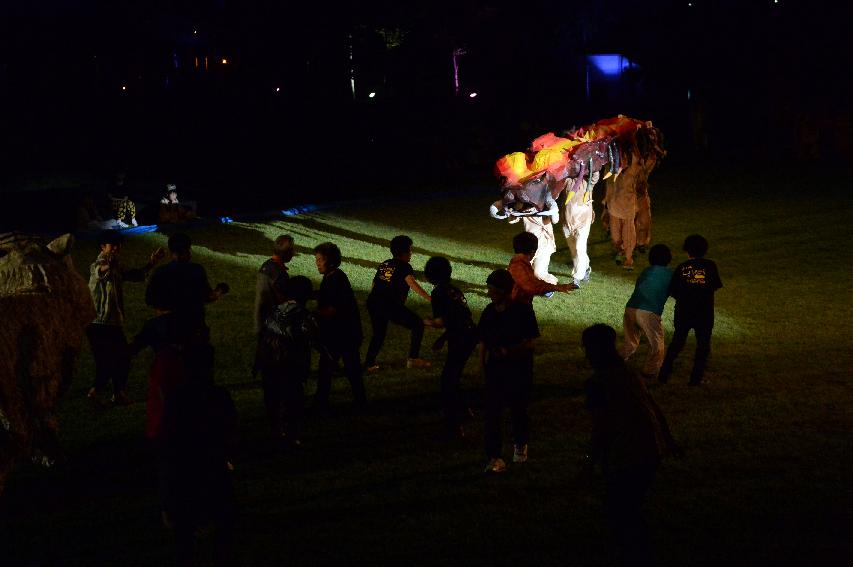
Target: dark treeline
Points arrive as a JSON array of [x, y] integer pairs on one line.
[[92, 87]]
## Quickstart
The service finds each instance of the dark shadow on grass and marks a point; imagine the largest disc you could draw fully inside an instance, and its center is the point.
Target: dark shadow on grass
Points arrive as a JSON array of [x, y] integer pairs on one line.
[[324, 226], [104, 470], [233, 238]]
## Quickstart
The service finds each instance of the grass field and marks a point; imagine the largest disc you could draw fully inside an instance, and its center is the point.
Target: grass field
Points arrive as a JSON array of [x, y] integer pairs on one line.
[[766, 478]]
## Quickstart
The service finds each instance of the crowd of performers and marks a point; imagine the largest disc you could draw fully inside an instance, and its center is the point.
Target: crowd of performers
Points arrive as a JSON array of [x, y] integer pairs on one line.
[[552, 184]]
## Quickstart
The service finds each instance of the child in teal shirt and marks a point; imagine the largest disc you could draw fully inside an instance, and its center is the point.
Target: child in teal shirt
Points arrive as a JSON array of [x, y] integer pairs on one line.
[[644, 308]]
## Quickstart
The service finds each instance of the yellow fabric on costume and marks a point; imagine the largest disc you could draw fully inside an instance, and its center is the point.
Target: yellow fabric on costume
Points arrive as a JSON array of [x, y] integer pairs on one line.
[[548, 158], [513, 166]]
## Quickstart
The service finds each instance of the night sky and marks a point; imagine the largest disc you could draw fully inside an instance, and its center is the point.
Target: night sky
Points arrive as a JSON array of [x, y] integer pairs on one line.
[[89, 88]]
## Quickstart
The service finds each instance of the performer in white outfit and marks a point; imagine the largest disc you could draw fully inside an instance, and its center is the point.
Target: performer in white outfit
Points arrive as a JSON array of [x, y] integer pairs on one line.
[[578, 217]]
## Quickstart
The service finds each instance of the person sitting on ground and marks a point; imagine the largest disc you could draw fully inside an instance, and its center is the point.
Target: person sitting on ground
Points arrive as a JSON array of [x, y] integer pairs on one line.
[[386, 303], [124, 210], [89, 216], [285, 360], [629, 438], [450, 312], [340, 328], [527, 284], [645, 307], [106, 332], [507, 331], [172, 209]]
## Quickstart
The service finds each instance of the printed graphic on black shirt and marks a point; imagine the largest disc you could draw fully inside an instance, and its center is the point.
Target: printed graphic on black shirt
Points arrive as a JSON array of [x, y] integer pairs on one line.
[[693, 275]]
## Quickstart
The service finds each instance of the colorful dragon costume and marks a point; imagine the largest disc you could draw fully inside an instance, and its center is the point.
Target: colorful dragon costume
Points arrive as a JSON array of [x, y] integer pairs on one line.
[[568, 168]]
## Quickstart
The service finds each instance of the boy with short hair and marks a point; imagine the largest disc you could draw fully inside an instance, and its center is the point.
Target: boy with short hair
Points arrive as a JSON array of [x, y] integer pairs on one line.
[[386, 303], [450, 312], [527, 284], [507, 330], [106, 332], [693, 285], [644, 308]]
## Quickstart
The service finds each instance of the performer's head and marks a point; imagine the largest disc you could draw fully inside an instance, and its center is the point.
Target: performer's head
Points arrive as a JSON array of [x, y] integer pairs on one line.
[[696, 246], [401, 247], [525, 243], [327, 257], [283, 248], [437, 270], [660, 255]]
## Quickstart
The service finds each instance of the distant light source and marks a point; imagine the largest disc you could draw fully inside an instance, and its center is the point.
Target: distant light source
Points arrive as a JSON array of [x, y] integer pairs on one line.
[[224, 61], [123, 87], [371, 95], [472, 95], [278, 89], [195, 32], [610, 64]]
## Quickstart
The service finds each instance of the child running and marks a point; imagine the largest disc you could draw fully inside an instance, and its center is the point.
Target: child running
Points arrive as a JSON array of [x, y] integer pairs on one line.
[[450, 312]]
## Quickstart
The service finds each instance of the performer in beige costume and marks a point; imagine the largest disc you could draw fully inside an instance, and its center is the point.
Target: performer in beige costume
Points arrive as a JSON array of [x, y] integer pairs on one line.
[[621, 201], [578, 217]]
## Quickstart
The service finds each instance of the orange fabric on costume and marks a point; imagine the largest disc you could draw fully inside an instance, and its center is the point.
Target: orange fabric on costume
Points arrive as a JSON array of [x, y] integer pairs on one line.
[[513, 167]]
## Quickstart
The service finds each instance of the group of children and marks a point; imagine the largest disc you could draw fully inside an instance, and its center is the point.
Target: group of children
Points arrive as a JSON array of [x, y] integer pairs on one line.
[[192, 422], [287, 332]]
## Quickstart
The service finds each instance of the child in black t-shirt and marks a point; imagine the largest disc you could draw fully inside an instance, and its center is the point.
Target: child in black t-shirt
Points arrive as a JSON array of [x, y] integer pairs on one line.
[[693, 285], [386, 303], [507, 330], [450, 312]]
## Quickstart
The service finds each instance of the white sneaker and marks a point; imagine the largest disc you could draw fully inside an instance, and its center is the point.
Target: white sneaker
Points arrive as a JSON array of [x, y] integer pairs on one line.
[[122, 224], [495, 466], [133, 222], [519, 455]]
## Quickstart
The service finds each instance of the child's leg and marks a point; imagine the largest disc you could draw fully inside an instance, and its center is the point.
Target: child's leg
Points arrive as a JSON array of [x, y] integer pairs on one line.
[[293, 394], [679, 337], [106, 341], [272, 382], [519, 396], [632, 334], [401, 315], [324, 380], [379, 325], [458, 352], [494, 401], [121, 361], [703, 349], [652, 327], [352, 370]]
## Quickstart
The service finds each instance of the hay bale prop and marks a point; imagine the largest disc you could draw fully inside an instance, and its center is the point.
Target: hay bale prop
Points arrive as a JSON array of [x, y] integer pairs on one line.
[[46, 306]]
